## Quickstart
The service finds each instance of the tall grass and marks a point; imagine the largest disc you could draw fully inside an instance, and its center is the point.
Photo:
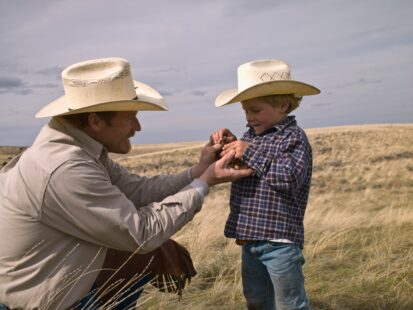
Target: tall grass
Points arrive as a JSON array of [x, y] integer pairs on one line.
[[359, 225]]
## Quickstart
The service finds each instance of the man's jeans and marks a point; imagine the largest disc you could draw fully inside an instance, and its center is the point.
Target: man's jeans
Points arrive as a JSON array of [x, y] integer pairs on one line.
[[272, 277], [126, 300]]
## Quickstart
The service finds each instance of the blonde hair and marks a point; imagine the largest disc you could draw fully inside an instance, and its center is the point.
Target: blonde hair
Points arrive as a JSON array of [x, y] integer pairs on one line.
[[292, 100]]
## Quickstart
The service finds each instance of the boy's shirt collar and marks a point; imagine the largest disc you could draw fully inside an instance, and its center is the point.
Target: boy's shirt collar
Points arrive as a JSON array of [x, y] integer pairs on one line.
[[288, 121]]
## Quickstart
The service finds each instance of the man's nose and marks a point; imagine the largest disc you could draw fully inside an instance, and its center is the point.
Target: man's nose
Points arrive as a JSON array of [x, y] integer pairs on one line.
[[137, 125]]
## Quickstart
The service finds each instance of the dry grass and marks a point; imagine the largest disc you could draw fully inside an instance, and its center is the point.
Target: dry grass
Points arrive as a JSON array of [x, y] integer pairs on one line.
[[8, 152], [359, 223]]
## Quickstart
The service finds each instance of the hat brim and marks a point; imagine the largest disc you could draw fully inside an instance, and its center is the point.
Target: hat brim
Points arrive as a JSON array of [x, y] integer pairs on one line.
[[266, 89], [147, 99]]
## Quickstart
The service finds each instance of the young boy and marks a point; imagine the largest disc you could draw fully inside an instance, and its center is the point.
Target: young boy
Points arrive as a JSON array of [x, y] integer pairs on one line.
[[267, 209]]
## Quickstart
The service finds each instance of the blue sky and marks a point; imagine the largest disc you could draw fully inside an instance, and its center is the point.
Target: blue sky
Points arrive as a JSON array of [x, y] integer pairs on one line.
[[359, 53]]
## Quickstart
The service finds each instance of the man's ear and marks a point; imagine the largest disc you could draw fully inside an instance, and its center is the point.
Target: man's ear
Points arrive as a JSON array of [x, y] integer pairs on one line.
[[95, 122]]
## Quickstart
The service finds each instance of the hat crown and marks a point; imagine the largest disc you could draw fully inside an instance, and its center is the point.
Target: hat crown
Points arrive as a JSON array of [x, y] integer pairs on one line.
[[98, 81], [262, 71]]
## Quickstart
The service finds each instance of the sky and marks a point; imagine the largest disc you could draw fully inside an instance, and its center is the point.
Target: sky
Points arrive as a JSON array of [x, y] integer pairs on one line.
[[358, 53]]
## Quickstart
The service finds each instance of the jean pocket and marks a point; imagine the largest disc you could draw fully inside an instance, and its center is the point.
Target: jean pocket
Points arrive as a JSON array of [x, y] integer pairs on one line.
[[284, 253]]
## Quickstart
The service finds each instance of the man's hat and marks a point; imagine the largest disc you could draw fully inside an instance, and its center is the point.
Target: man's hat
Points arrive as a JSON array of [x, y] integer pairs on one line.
[[263, 78], [102, 85]]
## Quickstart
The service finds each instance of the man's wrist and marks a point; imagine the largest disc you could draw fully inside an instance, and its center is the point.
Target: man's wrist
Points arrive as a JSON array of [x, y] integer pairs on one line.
[[200, 186], [197, 170]]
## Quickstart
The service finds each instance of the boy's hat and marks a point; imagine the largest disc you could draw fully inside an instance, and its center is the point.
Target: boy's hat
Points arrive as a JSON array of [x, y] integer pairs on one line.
[[263, 78], [102, 85]]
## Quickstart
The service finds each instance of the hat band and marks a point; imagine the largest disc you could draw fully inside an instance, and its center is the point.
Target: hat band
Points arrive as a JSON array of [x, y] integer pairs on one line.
[[95, 93], [247, 81]]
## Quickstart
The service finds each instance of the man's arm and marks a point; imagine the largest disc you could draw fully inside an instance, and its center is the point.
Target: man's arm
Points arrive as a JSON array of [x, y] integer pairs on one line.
[[143, 190], [81, 201]]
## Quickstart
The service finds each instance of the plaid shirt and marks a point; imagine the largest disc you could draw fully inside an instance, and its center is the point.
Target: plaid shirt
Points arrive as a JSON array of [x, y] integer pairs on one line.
[[271, 203]]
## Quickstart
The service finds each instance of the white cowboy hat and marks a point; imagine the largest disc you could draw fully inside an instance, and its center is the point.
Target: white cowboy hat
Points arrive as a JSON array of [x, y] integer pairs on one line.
[[102, 85], [263, 78]]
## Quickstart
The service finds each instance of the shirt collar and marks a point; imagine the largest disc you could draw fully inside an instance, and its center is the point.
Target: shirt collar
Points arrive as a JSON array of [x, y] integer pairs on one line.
[[288, 121], [75, 136]]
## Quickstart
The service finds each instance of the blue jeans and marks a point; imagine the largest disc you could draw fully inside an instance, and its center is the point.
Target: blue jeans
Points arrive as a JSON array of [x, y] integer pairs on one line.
[[127, 299], [272, 277]]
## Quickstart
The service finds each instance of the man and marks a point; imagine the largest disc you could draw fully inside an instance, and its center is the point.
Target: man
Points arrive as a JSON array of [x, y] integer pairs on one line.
[[64, 202]]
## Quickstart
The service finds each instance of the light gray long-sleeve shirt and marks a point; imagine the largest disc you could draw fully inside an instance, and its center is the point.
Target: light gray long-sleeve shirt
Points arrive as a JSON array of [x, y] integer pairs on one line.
[[63, 202]]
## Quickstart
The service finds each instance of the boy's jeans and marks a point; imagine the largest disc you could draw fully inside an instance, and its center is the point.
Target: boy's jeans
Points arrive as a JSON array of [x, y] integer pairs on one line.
[[272, 277]]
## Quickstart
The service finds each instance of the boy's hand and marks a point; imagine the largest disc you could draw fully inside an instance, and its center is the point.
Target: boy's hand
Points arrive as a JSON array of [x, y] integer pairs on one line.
[[238, 147], [222, 136]]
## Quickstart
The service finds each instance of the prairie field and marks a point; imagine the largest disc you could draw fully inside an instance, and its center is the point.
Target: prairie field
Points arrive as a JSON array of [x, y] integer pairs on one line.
[[359, 223]]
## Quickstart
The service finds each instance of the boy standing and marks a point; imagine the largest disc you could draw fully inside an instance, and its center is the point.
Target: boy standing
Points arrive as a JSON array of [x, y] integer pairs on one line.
[[267, 209]]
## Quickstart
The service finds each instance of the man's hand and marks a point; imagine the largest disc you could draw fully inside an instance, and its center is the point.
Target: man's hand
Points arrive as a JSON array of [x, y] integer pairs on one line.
[[172, 267], [208, 156], [222, 136], [221, 171]]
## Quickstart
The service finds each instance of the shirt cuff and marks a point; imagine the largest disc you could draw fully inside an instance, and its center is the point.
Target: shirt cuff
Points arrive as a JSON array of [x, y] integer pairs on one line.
[[255, 160], [201, 187], [190, 173]]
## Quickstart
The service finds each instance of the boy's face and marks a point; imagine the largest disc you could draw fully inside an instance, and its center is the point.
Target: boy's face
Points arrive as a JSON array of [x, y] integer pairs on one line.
[[262, 115]]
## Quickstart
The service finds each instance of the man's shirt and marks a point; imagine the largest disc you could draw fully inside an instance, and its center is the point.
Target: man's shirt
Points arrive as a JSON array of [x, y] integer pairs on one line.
[[271, 203], [63, 202]]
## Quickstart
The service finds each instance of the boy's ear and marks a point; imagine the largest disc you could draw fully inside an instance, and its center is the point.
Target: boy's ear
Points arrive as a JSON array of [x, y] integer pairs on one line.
[[284, 107]]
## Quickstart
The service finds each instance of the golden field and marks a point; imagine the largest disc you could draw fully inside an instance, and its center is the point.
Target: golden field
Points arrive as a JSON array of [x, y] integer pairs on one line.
[[359, 223]]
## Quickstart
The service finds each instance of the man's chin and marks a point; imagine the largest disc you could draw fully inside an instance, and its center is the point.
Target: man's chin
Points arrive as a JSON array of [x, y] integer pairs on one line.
[[122, 150]]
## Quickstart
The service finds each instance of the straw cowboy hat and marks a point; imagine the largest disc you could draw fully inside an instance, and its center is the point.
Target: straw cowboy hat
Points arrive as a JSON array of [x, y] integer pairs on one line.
[[102, 85], [263, 78]]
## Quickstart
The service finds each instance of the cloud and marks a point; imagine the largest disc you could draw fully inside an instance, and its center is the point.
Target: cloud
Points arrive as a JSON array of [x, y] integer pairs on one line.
[[167, 70], [13, 67], [321, 104], [13, 85], [55, 72], [17, 86], [8, 83], [360, 81], [198, 93], [354, 53]]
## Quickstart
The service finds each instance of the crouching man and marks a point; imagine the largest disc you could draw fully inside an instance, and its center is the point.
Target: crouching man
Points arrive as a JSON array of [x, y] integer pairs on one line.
[[66, 208]]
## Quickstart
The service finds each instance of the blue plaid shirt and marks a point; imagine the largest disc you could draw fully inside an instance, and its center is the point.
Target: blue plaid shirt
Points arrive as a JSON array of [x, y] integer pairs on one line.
[[271, 203]]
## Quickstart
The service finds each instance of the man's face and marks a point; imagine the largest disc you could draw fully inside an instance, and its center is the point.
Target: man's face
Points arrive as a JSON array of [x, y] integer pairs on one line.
[[116, 135], [261, 115]]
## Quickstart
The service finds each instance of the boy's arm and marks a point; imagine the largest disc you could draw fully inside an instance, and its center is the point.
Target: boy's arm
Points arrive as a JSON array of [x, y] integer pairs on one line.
[[286, 170]]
